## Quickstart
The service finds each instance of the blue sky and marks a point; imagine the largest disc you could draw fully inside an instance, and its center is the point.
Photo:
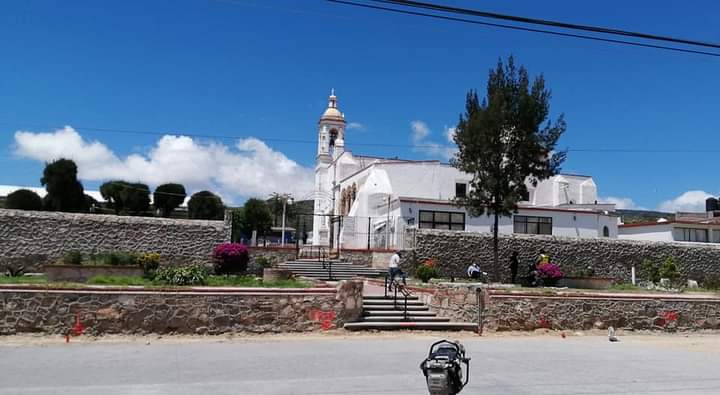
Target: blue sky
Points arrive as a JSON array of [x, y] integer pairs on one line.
[[263, 69]]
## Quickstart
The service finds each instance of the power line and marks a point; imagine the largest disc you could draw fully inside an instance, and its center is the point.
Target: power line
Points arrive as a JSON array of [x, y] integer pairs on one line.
[[543, 22], [526, 29], [380, 145]]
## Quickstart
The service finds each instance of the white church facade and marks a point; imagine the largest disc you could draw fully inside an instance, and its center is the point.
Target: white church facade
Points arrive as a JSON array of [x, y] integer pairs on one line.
[[369, 202]]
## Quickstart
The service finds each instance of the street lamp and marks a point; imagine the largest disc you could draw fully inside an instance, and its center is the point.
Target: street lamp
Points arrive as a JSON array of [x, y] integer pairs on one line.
[[286, 197]]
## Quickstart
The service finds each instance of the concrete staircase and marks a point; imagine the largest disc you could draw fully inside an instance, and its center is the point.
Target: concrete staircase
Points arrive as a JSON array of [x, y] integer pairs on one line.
[[384, 313], [340, 270]]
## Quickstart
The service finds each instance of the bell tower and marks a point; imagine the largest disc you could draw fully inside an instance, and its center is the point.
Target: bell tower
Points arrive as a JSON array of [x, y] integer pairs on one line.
[[331, 132]]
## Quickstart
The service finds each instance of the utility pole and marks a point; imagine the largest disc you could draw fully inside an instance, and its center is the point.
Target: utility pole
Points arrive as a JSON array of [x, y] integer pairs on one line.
[[387, 226]]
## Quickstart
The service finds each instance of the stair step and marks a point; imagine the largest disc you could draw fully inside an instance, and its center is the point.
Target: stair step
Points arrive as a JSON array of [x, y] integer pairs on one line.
[[400, 318], [441, 326], [391, 308], [391, 302], [391, 313], [382, 297]]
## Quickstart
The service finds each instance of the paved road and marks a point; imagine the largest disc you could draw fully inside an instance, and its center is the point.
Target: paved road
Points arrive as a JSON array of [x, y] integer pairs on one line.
[[361, 365]]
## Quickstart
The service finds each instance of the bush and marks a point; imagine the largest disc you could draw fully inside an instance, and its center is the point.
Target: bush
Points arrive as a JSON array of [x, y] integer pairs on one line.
[[669, 270], [263, 263], [24, 199], [651, 270], [230, 258], [195, 274], [150, 262], [72, 258], [550, 271], [426, 271], [115, 259]]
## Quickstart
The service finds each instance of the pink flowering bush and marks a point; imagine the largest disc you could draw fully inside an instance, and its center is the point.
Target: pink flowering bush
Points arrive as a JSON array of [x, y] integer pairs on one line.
[[230, 258], [550, 271]]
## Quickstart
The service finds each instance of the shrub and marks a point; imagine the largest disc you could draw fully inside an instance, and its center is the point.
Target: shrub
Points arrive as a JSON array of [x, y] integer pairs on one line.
[[550, 271], [72, 258], [115, 259], [194, 274], [263, 263], [24, 199], [230, 258], [669, 270], [150, 262], [426, 271], [651, 270], [205, 205]]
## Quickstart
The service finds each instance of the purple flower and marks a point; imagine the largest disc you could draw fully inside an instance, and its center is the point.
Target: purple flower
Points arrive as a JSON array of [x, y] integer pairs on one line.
[[550, 271]]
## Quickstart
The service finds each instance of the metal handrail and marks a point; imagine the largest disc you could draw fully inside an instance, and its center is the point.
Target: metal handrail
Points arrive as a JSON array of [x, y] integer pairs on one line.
[[397, 286], [323, 256]]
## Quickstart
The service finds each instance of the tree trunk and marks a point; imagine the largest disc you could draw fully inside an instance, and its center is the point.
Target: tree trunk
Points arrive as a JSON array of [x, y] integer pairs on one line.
[[496, 259]]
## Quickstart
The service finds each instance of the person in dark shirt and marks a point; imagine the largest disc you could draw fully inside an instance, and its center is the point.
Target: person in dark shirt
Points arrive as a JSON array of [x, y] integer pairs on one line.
[[514, 263]]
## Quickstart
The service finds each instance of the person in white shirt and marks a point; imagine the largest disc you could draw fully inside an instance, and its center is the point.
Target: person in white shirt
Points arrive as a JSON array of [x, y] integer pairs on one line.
[[474, 271], [394, 268]]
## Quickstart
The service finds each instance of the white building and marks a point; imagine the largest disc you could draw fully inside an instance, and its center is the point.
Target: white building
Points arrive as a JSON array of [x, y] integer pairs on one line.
[[686, 227], [370, 201]]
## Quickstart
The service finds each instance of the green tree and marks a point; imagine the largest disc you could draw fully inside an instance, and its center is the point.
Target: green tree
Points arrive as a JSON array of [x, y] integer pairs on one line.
[[64, 191], [255, 216], [111, 191], [504, 145], [168, 197], [24, 199], [136, 198], [126, 197], [275, 205], [205, 205]]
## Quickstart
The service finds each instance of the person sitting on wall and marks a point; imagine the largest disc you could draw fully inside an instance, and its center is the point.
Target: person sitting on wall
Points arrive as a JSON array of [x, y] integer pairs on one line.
[[474, 272]]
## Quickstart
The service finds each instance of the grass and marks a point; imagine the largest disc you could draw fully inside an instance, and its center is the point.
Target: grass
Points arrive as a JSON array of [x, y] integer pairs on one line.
[[124, 281], [23, 279]]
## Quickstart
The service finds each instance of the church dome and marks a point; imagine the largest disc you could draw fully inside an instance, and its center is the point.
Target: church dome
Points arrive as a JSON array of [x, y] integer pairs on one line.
[[332, 113]]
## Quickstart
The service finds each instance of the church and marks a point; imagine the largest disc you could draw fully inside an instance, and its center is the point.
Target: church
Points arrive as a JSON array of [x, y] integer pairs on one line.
[[369, 202]]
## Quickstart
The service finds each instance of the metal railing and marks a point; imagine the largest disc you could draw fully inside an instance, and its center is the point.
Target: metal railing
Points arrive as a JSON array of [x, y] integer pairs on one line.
[[320, 253], [398, 287]]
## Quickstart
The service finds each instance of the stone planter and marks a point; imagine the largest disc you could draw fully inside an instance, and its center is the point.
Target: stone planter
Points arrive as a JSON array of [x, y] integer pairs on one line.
[[587, 282], [82, 273], [273, 274]]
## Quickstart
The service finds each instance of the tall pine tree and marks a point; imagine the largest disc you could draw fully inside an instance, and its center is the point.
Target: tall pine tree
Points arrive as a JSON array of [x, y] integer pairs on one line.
[[506, 142]]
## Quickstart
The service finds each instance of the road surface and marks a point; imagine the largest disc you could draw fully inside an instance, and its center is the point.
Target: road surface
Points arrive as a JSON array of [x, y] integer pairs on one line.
[[362, 365]]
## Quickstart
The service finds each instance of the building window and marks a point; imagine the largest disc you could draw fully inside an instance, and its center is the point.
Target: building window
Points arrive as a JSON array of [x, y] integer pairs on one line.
[[606, 231], [460, 189], [442, 220], [532, 225], [697, 235]]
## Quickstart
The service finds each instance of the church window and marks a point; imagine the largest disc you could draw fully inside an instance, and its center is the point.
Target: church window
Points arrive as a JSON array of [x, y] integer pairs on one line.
[[442, 220], [606, 231], [532, 225], [460, 189]]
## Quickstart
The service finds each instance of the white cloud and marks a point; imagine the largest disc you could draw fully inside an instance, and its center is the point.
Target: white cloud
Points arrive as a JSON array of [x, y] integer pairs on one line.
[[450, 134], [356, 126], [420, 133], [249, 168], [621, 203], [690, 201]]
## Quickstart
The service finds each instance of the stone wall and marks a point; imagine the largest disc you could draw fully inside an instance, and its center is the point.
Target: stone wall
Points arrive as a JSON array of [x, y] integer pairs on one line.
[[142, 312], [503, 310], [453, 251], [273, 254], [377, 259], [43, 237], [506, 311]]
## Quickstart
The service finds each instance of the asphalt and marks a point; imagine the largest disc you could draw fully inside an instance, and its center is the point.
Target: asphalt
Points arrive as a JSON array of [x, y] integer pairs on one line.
[[361, 365]]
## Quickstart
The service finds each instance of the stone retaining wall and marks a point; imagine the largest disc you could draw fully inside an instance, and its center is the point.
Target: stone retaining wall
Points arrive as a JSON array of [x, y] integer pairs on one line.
[[453, 251], [211, 312], [583, 312], [273, 254], [39, 237], [503, 310]]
